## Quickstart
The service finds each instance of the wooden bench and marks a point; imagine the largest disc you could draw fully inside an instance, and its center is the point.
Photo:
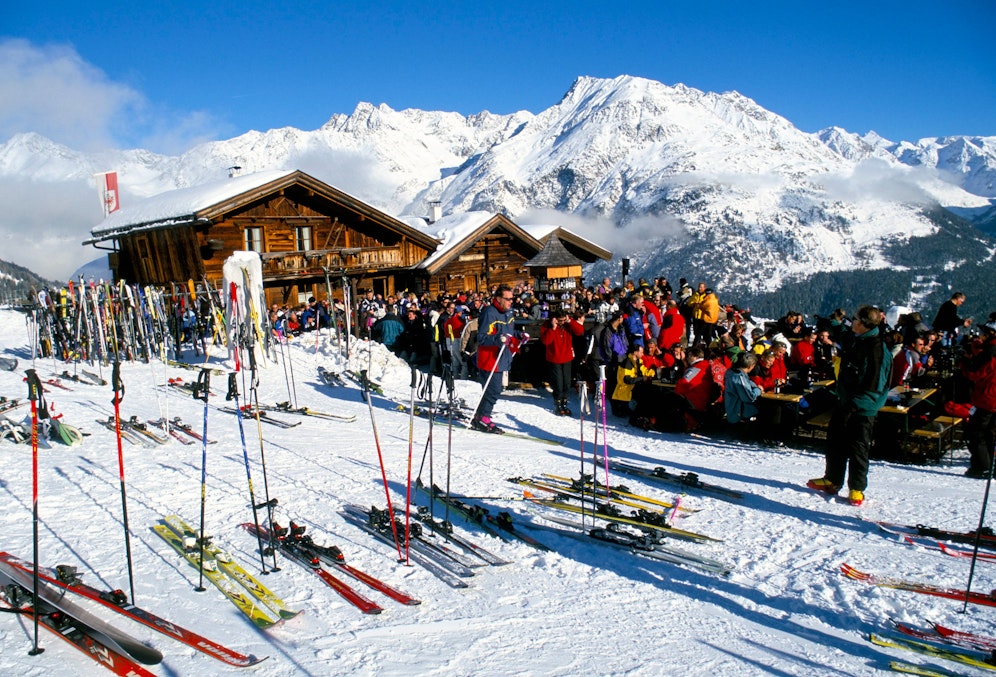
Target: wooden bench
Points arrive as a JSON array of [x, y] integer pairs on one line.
[[817, 426], [940, 432]]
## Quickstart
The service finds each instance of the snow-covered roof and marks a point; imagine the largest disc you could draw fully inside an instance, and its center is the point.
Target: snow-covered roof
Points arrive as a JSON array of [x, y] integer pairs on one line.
[[542, 231], [452, 230], [179, 206]]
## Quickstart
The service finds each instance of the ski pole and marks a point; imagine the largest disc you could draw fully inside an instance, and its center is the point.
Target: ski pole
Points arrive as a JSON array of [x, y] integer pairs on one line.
[[201, 389], [491, 375], [408, 484], [380, 457], [118, 387], [34, 394], [233, 394], [254, 401], [605, 433], [978, 531]]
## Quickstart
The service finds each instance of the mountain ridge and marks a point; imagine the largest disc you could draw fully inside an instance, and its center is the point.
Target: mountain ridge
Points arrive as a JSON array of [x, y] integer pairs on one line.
[[668, 175]]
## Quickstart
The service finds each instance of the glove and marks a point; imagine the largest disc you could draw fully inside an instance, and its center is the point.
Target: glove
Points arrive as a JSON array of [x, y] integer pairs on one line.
[[513, 344], [504, 339], [525, 337]]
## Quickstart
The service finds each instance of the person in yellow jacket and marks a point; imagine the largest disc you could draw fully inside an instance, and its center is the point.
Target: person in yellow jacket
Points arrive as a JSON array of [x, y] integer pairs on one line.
[[630, 372], [706, 314]]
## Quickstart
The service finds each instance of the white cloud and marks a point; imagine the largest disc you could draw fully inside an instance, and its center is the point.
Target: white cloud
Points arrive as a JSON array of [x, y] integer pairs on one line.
[[52, 90], [43, 224]]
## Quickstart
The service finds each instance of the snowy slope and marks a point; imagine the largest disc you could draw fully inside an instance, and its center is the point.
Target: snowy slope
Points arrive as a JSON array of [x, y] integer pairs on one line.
[[583, 609]]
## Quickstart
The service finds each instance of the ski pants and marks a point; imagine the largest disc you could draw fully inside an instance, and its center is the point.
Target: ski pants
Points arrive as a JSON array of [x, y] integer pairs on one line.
[[981, 438], [560, 380], [489, 398], [849, 439]]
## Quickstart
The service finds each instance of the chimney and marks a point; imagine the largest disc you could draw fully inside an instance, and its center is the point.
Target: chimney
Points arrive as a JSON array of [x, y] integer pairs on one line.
[[435, 211], [234, 171]]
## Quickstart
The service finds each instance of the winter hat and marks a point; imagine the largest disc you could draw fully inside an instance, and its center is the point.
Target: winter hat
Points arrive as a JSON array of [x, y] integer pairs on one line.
[[991, 326]]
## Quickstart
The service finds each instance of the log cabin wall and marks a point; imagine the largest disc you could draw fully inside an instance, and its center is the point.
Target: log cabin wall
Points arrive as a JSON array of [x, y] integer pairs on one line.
[[160, 257], [495, 258], [300, 235]]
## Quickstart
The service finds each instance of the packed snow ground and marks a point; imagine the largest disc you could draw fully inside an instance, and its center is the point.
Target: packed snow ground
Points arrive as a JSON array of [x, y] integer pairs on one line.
[[584, 609]]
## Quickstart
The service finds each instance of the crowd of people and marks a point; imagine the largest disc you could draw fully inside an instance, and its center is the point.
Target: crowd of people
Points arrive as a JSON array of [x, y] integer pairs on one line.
[[676, 359]]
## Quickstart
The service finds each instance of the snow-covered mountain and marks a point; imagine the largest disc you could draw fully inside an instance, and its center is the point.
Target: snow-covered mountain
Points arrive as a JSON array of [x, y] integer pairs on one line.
[[706, 185]]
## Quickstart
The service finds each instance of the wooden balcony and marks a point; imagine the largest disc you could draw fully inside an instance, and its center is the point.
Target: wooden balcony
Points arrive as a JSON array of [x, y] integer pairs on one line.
[[314, 262]]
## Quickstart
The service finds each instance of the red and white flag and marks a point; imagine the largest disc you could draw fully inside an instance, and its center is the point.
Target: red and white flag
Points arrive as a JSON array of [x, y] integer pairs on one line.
[[107, 187]]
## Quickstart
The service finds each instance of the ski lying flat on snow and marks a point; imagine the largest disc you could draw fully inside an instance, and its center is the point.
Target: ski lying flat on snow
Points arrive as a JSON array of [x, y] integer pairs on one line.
[[974, 658], [985, 599], [988, 539], [579, 491], [688, 479], [66, 577], [230, 566], [313, 564], [966, 638], [962, 640], [246, 603], [305, 411], [642, 519], [445, 529], [924, 670], [250, 413], [329, 377], [73, 631], [585, 485], [361, 518], [127, 433], [500, 527], [639, 544], [100, 630], [333, 557]]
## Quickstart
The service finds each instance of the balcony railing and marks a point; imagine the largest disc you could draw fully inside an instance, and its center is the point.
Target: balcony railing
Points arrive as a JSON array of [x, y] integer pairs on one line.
[[278, 265]]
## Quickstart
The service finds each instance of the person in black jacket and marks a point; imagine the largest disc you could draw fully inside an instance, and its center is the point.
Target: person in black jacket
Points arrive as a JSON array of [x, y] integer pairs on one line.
[[947, 319], [413, 345]]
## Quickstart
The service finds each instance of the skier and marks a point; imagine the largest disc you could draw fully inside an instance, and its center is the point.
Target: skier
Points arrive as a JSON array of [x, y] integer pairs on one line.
[[498, 340]]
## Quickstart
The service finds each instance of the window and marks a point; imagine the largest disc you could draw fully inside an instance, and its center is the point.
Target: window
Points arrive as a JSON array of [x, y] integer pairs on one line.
[[303, 238], [253, 239]]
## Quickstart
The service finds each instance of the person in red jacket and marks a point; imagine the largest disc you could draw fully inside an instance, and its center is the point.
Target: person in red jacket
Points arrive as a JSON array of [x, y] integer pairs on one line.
[[804, 352], [980, 369], [672, 326], [696, 386], [451, 330], [557, 336]]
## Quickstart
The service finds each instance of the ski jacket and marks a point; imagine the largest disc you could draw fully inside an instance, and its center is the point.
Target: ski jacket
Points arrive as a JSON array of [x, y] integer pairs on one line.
[[627, 376], [387, 329], [739, 396], [803, 354], [492, 325], [981, 371], [672, 329], [696, 386], [559, 341], [707, 309], [863, 380], [452, 328], [611, 345], [633, 324]]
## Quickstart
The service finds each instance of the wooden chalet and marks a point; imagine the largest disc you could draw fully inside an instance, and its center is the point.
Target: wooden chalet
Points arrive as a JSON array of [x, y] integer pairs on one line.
[[306, 233], [478, 250]]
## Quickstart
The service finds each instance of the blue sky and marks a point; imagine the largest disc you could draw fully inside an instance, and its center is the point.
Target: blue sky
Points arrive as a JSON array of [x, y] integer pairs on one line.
[[166, 75]]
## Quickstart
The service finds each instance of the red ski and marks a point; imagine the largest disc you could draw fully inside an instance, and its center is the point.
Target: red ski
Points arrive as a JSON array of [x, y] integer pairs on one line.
[[65, 577], [983, 598]]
